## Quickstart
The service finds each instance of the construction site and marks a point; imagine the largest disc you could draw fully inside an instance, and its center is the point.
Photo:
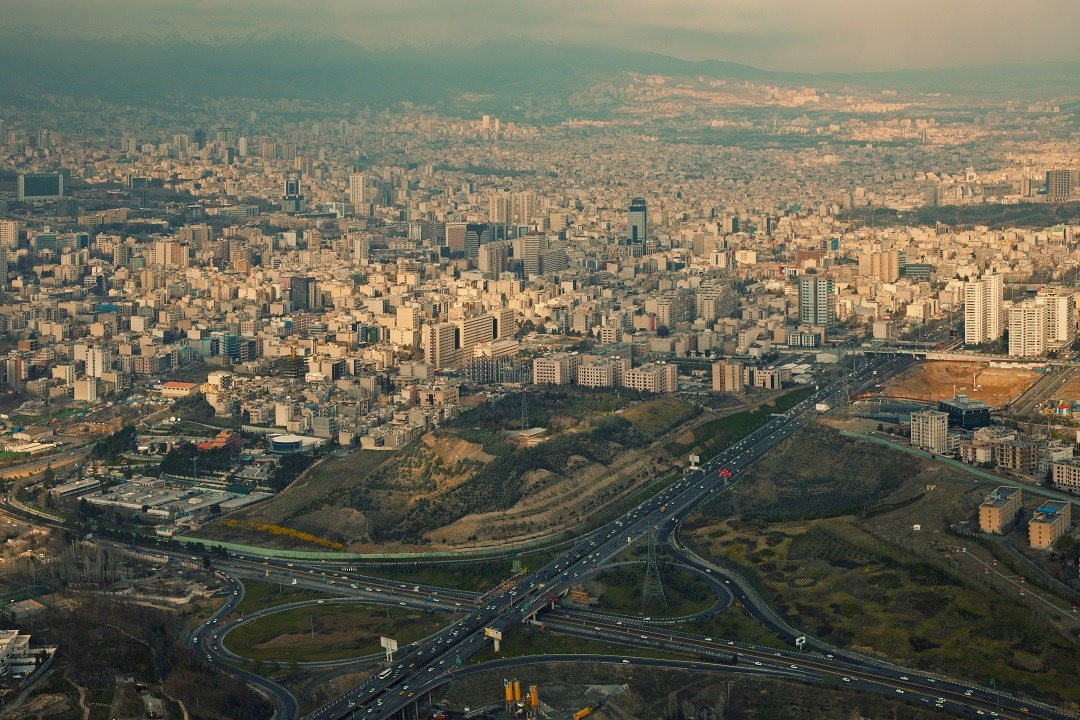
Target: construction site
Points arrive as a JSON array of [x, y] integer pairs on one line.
[[938, 380]]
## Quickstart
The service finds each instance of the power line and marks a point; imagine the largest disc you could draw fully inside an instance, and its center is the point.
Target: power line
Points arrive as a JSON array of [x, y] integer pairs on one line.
[[652, 588]]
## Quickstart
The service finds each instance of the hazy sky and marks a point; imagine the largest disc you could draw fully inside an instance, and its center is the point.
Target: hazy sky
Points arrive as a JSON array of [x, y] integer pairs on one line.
[[810, 35]]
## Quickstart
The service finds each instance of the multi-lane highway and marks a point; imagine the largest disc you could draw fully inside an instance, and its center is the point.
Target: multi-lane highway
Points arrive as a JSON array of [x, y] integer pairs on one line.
[[424, 666]]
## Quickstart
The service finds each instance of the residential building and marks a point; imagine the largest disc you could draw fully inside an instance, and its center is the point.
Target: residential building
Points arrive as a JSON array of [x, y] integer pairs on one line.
[[983, 310], [1028, 323], [727, 377], [1065, 474], [930, 431], [817, 301], [1049, 522], [659, 378], [999, 510]]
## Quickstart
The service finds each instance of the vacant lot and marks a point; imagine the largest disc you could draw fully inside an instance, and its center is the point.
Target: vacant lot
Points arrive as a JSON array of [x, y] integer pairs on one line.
[[657, 416], [330, 632], [937, 380], [846, 476]]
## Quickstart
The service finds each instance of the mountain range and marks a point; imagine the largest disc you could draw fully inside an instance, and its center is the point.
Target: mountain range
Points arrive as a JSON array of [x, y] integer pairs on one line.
[[326, 68]]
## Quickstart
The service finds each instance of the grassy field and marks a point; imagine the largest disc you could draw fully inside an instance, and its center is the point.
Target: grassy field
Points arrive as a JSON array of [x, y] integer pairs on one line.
[[261, 595], [327, 480], [619, 590], [657, 416], [711, 437], [330, 632], [846, 476]]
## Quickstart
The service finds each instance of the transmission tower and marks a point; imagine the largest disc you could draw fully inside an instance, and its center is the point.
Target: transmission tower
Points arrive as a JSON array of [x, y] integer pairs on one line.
[[653, 588], [524, 410]]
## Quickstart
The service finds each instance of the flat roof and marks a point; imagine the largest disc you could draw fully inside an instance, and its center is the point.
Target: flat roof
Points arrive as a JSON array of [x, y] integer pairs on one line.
[[965, 403]]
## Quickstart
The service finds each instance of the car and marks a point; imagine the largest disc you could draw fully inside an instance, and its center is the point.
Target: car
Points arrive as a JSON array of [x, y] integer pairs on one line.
[[794, 667], [968, 693], [757, 663], [847, 679], [401, 603], [321, 602], [903, 677], [899, 691]]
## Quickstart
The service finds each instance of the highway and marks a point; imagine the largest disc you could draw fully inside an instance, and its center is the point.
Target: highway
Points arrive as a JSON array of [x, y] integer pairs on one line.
[[200, 639], [424, 666]]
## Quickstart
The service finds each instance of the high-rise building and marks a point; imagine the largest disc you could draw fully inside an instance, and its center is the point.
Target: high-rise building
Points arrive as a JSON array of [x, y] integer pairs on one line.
[[440, 342], [524, 208], [1060, 184], [1061, 325], [9, 234], [817, 303], [499, 208], [884, 265], [492, 259], [983, 310], [356, 190], [293, 202], [302, 291], [930, 431], [1028, 323], [637, 222]]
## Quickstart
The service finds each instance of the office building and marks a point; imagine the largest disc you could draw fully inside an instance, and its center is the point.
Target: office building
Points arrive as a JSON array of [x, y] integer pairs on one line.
[[998, 511], [40, 186], [965, 413], [817, 301], [929, 431], [983, 310], [1028, 323], [637, 223]]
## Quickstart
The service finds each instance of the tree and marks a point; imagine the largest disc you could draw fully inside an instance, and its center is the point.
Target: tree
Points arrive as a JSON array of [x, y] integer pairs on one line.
[[663, 331]]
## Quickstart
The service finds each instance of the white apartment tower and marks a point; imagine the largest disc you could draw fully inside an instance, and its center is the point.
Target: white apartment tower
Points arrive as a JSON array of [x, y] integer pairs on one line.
[[1028, 323], [929, 430], [983, 311], [356, 190], [1061, 325]]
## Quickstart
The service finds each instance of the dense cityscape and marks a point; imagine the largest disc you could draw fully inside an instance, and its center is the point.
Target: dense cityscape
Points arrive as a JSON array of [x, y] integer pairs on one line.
[[677, 395]]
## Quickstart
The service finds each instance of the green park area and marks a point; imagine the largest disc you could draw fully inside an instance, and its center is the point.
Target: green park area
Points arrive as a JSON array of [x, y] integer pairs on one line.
[[330, 631]]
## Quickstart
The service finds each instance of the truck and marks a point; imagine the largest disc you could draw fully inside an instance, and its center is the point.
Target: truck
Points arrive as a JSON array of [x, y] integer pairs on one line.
[[821, 407]]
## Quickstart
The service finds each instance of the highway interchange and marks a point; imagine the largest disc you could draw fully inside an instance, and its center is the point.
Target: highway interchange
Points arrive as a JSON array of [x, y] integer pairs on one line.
[[424, 666]]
